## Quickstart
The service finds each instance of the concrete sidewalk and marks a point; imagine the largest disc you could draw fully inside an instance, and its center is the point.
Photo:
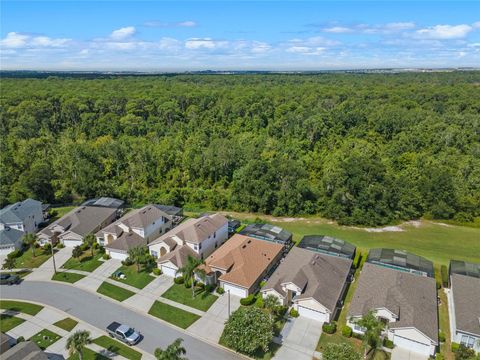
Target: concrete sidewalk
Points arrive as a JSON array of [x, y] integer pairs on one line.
[[94, 279], [45, 271], [144, 299], [300, 339]]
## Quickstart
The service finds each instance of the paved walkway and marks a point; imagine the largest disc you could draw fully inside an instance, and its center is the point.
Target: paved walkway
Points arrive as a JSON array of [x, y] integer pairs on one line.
[[210, 326], [144, 299], [299, 339], [94, 279], [45, 271]]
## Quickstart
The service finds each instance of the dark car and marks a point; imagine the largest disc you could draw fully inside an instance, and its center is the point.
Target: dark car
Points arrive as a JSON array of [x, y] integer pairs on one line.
[[9, 279]]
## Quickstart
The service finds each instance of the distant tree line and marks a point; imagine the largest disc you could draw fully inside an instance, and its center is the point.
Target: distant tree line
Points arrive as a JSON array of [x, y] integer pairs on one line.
[[361, 149]]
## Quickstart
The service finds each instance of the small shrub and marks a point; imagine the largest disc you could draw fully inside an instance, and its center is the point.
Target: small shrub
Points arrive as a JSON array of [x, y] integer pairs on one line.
[[259, 302], [346, 331], [15, 254], [209, 288], [220, 290], [179, 280], [455, 346], [200, 285], [439, 356], [444, 273], [441, 336], [388, 343], [96, 245], [329, 328], [262, 283], [188, 284], [84, 247], [47, 248], [294, 313], [101, 250], [157, 271], [20, 339], [60, 245], [106, 257], [280, 311], [357, 336], [127, 262], [249, 300], [357, 259]]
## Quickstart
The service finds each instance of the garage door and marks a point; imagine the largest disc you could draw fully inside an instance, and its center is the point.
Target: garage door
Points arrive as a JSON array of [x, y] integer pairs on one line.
[[235, 290], [72, 243], [117, 255], [312, 314], [411, 345], [168, 271]]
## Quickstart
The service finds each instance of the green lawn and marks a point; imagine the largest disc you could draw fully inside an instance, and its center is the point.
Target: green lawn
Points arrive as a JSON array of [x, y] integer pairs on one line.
[[8, 322], [45, 338], [134, 278], [27, 260], [20, 306], [89, 355], [86, 262], [444, 323], [67, 277], [260, 355], [59, 212], [179, 293], [173, 315], [66, 324], [114, 292], [117, 347]]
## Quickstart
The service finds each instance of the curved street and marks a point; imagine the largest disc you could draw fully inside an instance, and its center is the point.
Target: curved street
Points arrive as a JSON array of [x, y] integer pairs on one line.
[[100, 312]]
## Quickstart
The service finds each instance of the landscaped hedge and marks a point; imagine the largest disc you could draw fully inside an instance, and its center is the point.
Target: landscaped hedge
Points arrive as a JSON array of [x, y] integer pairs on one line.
[[441, 336], [294, 313], [346, 331], [455, 346], [249, 300], [15, 254], [357, 260], [329, 328], [444, 273], [179, 280], [157, 271], [220, 290], [106, 257], [388, 343]]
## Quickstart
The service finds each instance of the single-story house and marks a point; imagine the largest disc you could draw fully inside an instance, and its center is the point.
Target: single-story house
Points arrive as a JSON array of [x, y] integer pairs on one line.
[[136, 228], [240, 264], [464, 301], [71, 228], [328, 245], [202, 236], [405, 302], [269, 233], [10, 240], [25, 216], [314, 283], [25, 350], [401, 260]]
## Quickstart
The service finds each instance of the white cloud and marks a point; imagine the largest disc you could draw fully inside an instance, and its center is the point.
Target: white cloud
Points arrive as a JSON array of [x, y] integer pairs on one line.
[[338, 29], [122, 33], [400, 26], [476, 25], [188, 23], [371, 29], [160, 24], [444, 32], [15, 40], [204, 43]]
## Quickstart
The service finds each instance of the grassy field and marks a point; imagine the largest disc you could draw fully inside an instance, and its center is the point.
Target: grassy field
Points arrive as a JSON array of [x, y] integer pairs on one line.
[[89, 355], [8, 322], [134, 278], [179, 293], [86, 262], [66, 324], [117, 347], [173, 315], [67, 277], [438, 242], [45, 338], [19, 306], [115, 292]]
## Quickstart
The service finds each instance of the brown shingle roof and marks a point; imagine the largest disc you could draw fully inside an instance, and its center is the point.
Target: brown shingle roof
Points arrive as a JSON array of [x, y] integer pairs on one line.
[[127, 241], [466, 299], [322, 277], [245, 259], [179, 256], [413, 298]]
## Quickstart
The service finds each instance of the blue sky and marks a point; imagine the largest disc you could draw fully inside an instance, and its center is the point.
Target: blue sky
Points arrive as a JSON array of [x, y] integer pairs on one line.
[[268, 35]]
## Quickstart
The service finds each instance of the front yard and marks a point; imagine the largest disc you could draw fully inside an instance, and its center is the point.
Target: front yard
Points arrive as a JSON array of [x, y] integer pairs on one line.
[[86, 262], [117, 347], [27, 260], [179, 293], [20, 306], [8, 322], [89, 355], [67, 277], [66, 324], [134, 278], [115, 292], [173, 315], [45, 338]]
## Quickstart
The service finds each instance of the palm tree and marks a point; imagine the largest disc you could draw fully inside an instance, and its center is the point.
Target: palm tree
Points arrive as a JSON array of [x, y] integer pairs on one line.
[[137, 255], [271, 302], [77, 252], [174, 351], [9, 263], [30, 240], [373, 331], [77, 341], [188, 271], [90, 239]]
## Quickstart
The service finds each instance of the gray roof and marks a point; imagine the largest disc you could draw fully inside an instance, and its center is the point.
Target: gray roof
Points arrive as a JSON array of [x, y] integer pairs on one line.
[[321, 277], [104, 202], [328, 245], [26, 350], [466, 299], [412, 298], [464, 268], [170, 209], [401, 260], [11, 237], [127, 241], [81, 220], [267, 232], [19, 211], [179, 256]]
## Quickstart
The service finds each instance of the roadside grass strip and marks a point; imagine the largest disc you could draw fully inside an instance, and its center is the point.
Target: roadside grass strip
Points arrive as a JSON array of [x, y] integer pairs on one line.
[[179, 293], [89, 355], [20, 306], [173, 315], [117, 347], [67, 277], [8, 322], [132, 277], [66, 324], [114, 292], [45, 338]]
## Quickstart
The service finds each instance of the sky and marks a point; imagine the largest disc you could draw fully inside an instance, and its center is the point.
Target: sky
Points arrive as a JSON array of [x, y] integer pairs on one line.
[[237, 35]]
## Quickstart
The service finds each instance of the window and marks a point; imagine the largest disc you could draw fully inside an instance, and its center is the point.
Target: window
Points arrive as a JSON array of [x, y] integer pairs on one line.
[[154, 253], [195, 247], [467, 341], [200, 245], [215, 234]]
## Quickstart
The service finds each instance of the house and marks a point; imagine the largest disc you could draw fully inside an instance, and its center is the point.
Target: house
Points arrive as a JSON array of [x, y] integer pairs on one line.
[[24, 216], [202, 236], [4, 342], [313, 283], [105, 202], [136, 228], [10, 240], [464, 300], [404, 301], [269, 233], [71, 228], [240, 264], [328, 245], [25, 350], [233, 225], [402, 261]]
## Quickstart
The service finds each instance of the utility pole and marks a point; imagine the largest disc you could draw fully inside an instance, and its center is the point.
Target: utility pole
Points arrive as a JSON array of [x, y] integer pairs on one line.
[[228, 291], [53, 256]]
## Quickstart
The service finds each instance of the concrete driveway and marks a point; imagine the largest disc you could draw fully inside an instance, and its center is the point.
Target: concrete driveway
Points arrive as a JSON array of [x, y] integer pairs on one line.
[[145, 298], [299, 339], [45, 271], [98, 276], [405, 354]]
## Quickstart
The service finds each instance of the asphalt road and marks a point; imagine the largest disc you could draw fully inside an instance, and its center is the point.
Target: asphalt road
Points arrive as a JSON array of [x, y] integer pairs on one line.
[[100, 312]]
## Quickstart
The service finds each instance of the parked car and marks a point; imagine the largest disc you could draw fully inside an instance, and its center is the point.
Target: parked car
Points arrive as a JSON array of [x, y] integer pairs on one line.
[[9, 279], [123, 333]]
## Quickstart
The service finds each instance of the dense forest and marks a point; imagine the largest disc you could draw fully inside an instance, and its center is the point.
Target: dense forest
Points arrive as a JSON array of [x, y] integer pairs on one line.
[[359, 148]]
